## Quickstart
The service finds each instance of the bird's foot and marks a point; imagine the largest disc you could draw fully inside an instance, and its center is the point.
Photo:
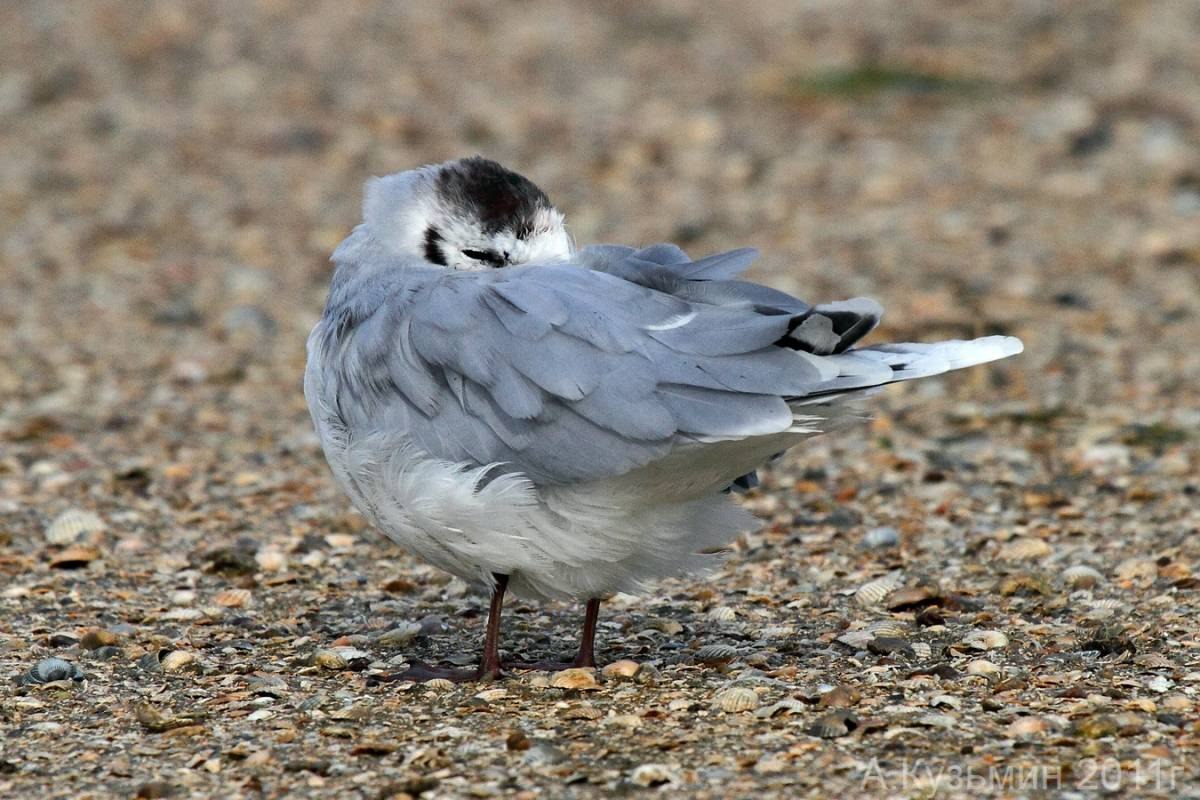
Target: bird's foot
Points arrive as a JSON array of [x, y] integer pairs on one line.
[[420, 672], [551, 666]]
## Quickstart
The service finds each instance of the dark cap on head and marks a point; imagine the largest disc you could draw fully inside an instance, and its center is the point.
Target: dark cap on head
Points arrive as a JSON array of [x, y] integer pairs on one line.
[[499, 198]]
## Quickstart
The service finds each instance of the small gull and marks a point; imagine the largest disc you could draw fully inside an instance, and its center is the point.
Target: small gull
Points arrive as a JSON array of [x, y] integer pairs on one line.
[[568, 423]]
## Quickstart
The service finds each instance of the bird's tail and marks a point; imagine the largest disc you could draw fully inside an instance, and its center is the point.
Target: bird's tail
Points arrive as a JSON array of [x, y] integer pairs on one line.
[[866, 368]]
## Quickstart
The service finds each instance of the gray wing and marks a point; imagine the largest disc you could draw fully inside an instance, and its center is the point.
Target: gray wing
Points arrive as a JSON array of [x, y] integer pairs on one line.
[[585, 370]]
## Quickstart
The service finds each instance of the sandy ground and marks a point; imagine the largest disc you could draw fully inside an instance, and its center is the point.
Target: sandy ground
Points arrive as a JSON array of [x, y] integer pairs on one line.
[[173, 177]]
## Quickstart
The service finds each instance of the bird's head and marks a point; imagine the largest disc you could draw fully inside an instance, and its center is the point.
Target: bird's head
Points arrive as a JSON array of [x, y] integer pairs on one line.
[[468, 214]]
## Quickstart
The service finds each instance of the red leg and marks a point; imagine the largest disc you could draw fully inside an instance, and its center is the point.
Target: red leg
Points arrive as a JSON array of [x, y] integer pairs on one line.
[[489, 668], [587, 640]]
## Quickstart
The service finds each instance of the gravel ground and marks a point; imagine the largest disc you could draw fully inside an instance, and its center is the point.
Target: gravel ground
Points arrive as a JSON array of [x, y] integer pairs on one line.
[[986, 591]]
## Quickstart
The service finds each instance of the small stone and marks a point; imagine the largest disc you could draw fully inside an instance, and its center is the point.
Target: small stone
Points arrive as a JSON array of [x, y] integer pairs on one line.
[[517, 741], [97, 638], [649, 775], [575, 678], [880, 538], [1096, 727], [985, 640], [269, 560], [328, 659], [839, 697], [178, 661], [1024, 727], [399, 636], [983, 668]]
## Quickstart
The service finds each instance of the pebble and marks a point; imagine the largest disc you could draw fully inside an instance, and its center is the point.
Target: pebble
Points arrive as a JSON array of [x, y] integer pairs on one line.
[[882, 537], [985, 640], [648, 775]]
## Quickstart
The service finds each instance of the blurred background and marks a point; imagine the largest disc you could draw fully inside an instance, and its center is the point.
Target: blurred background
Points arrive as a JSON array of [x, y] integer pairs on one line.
[[174, 176]]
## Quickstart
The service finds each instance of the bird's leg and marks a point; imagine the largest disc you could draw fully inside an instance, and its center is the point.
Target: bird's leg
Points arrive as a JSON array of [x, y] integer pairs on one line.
[[489, 667], [587, 640], [586, 657]]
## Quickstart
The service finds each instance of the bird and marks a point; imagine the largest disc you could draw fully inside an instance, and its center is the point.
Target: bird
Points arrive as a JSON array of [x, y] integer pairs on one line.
[[563, 422]]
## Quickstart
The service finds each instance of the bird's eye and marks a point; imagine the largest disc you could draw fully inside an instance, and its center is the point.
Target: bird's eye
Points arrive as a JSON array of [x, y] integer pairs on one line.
[[486, 256]]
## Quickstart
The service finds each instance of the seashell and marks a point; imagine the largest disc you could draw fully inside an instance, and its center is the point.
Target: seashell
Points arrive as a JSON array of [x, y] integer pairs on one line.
[[62, 639], [1082, 577], [49, 670], [890, 645], [575, 678], [834, 724], [178, 661], [1140, 571], [646, 675], [1154, 661], [985, 640], [653, 775], [440, 684], [76, 556], [1107, 602], [1096, 727], [922, 650], [1176, 702], [492, 695], [945, 701], [776, 631], [328, 659], [983, 668], [1024, 548], [839, 697], [722, 614], [911, 598], [856, 639], [716, 654], [233, 598], [873, 592], [788, 705], [183, 597], [620, 669], [402, 634], [1023, 727], [584, 711], [269, 560], [97, 638], [887, 627], [736, 699], [72, 526]]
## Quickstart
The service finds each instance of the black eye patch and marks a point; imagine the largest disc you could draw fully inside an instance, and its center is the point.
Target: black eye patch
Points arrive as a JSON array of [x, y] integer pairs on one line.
[[486, 256]]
